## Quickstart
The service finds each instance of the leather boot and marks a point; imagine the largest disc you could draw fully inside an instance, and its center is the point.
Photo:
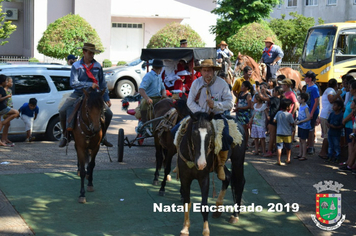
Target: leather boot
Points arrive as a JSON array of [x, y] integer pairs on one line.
[[222, 157], [64, 140]]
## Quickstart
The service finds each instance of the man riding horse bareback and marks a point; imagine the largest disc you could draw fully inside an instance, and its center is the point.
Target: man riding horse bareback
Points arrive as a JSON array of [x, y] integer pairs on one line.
[[272, 56], [210, 93], [84, 74]]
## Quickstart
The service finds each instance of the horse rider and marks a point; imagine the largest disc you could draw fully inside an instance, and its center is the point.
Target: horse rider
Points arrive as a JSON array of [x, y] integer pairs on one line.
[[85, 73], [224, 53], [210, 93], [272, 56], [151, 89]]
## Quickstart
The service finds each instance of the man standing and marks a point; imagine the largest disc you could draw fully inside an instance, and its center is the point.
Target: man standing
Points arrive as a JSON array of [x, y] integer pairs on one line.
[[218, 99], [246, 77], [71, 59], [85, 73], [272, 56], [313, 103], [151, 89]]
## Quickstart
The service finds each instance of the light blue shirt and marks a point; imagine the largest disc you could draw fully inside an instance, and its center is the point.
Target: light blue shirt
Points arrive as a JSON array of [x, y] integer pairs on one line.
[[302, 116], [275, 52], [152, 84], [284, 122]]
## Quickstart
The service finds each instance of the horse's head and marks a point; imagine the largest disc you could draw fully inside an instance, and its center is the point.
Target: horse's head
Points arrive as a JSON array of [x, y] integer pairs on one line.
[[93, 105], [240, 63], [201, 140]]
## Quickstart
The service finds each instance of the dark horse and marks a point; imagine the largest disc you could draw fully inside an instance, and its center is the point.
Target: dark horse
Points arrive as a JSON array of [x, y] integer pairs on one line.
[[87, 134], [197, 148]]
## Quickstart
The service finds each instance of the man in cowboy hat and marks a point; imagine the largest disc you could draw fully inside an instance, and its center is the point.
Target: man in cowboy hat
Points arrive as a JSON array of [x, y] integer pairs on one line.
[[210, 93], [272, 56], [224, 52], [151, 89], [85, 73]]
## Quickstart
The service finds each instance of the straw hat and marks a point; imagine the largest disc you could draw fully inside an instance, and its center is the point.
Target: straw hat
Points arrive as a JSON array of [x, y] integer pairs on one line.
[[90, 47], [223, 43], [208, 63], [268, 40]]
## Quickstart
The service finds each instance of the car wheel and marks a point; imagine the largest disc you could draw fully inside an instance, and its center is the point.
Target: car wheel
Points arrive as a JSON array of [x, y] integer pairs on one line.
[[124, 88], [54, 130]]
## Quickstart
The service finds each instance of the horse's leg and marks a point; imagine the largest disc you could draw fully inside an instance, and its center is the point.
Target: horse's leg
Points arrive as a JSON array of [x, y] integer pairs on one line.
[[159, 159], [81, 160], [168, 159], [225, 185], [185, 190], [204, 187], [91, 165]]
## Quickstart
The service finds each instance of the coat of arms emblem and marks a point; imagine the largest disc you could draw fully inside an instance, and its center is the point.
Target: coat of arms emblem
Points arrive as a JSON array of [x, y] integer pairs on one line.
[[328, 206]]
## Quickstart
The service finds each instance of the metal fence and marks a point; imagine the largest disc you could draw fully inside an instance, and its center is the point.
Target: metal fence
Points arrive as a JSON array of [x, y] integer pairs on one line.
[[293, 65], [19, 60]]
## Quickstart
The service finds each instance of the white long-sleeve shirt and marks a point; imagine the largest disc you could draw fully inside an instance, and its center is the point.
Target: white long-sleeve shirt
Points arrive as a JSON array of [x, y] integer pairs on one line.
[[220, 94]]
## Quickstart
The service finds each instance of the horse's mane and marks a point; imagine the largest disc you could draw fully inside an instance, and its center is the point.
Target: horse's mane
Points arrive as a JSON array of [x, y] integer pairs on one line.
[[95, 100], [252, 61]]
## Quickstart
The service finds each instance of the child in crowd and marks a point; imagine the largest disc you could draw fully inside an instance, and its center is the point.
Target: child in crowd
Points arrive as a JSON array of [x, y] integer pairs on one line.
[[4, 137], [243, 106], [272, 83], [4, 109], [304, 126], [274, 103], [304, 89], [335, 126], [285, 122], [29, 113], [258, 123]]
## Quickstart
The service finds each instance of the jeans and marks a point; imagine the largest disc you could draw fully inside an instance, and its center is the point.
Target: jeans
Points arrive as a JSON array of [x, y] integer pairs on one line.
[[334, 146]]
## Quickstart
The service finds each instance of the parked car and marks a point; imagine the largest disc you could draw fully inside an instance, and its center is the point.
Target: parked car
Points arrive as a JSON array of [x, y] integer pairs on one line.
[[125, 80], [45, 82]]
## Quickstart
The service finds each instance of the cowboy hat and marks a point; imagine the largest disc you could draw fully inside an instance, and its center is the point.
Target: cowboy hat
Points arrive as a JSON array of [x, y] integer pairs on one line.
[[268, 40], [208, 63], [157, 63], [90, 47], [223, 43]]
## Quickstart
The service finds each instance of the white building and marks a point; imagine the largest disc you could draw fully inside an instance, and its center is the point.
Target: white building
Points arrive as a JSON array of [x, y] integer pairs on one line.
[[125, 27]]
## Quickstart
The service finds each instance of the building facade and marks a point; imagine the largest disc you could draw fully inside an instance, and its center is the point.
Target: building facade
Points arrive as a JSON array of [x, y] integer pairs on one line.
[[125, 27]]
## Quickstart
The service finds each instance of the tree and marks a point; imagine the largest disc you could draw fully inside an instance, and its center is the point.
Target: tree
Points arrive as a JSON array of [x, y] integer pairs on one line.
[[171, 34], [249, 40], [65, 35], [6, 28], [234, 14], [292, 34]]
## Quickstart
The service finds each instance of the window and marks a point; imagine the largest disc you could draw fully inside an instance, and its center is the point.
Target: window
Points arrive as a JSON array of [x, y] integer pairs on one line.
[[29, 84], [292, 3], [331, 2], [61, 83], [124, 25], [311, 3]]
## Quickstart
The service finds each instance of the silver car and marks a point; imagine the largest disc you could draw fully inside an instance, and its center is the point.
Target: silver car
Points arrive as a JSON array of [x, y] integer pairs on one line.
[[125, 80]]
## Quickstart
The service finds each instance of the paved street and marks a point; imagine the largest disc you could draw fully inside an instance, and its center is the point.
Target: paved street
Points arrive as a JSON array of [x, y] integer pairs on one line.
[[293, 183]]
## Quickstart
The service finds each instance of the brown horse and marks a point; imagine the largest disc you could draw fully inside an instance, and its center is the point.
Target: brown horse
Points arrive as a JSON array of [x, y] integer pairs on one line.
[[87, 134], [260, 71]]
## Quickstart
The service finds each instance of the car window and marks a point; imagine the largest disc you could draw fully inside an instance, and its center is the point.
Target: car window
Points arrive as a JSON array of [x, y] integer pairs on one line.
[[29, 84], [61, 83], [135, 62]]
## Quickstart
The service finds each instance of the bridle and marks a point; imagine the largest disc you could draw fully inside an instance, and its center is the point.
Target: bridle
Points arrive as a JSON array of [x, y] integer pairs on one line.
[[86, 126]]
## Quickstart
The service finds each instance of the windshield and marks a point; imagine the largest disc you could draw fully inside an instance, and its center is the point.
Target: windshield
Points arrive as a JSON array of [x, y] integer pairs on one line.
[[135, 62], [319, 44]]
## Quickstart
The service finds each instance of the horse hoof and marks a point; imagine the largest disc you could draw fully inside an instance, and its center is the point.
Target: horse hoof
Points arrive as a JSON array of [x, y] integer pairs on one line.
[[82, 200], [217, 214], [155, 182], [169, 178], [233, 219], [161, 193], [90, 188]]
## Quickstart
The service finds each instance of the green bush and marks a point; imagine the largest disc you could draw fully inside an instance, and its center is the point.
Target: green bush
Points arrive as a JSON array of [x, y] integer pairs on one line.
[[121, 63], [32, 59], [107, 63], [66, 35], [249, 40], [171, 34]]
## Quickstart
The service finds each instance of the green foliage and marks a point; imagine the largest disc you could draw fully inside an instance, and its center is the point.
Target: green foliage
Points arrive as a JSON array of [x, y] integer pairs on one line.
[[171, 34], [249, 40], [32, 59], [65, 35], [6, 28], [107, 63], [121, 63], [292, 34], [235, 14]]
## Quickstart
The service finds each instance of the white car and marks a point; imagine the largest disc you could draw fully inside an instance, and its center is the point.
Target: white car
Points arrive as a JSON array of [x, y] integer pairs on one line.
[[45, 82], [125, 80]]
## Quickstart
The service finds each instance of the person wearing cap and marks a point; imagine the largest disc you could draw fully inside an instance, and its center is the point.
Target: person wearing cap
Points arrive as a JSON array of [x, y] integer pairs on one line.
[[210, 93], [313, 103], [151, 89], [272, 56], [183, 43], [289, 94], [224, 52], [71, 59], [85, 73]]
